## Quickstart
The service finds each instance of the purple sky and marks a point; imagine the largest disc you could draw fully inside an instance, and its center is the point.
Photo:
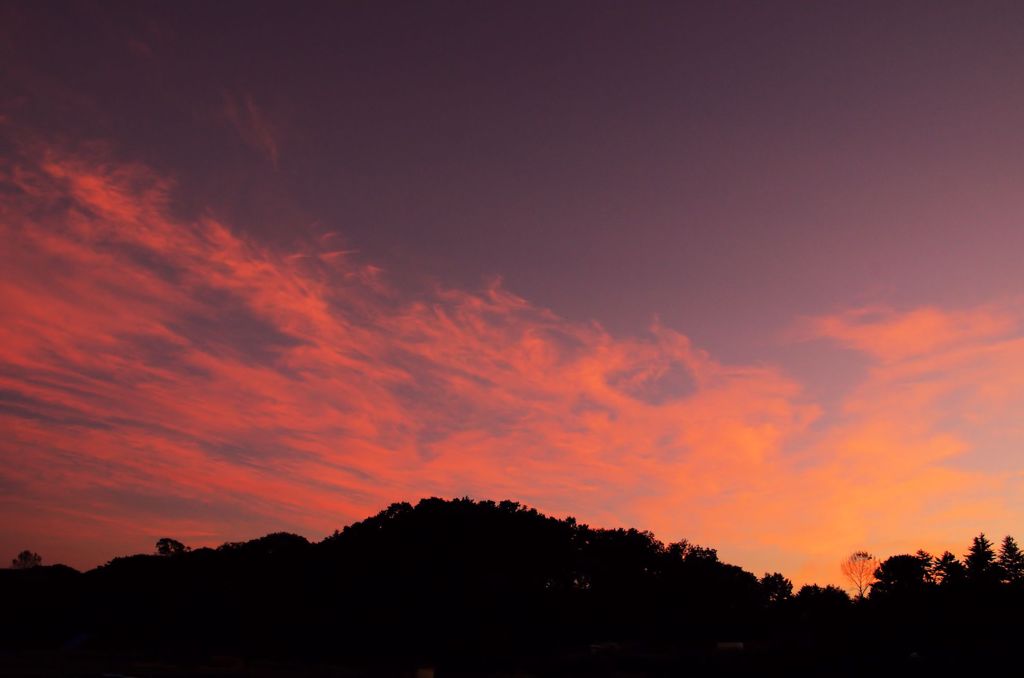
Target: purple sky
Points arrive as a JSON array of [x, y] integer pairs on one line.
[[803, 188]]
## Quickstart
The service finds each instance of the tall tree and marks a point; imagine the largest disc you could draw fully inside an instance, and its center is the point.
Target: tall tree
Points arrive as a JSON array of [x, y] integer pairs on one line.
[[901, 575], [26, 559], [981, 560], [929, 565], [821, 602], [170, 547], [1011, 560], [776, 587], [859, 569], [947, 570]]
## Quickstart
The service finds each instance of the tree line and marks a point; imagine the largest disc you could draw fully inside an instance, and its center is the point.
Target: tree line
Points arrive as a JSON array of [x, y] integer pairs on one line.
[[982, 566], [461, 581]]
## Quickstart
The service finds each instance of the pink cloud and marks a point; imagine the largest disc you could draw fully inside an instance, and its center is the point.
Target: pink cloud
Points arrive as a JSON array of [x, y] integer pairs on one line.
[[890, 335], [159, 377]]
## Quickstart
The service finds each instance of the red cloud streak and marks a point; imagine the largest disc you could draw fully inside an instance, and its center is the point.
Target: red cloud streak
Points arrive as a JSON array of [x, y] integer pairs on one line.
[[169, 377]]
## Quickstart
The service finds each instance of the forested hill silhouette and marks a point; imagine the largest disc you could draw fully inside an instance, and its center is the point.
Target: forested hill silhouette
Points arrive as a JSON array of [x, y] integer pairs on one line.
[[473, 586]]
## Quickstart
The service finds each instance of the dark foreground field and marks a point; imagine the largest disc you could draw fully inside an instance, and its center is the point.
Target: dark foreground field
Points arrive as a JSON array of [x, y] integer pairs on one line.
[[634, 660]]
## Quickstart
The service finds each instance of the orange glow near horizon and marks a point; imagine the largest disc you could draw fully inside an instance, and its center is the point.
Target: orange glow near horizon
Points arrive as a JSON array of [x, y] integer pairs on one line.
[[167, 377]]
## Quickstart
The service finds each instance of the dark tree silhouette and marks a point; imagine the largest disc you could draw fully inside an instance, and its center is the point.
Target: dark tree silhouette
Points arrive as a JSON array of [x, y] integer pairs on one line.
[[463, 584], [902, 575], [776, 587], [1011, 560], [26, 559], [692, 552], [929, 565], [170, 547], [980, 561], [947, 570], [822, 598]]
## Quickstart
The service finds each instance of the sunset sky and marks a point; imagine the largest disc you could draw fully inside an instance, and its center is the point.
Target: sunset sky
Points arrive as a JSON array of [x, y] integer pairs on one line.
[[748, 273]]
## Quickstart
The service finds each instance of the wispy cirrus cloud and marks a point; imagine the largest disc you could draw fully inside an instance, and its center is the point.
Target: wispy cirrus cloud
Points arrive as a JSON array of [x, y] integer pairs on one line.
[[889, 335], [921, 451], [163, 376]]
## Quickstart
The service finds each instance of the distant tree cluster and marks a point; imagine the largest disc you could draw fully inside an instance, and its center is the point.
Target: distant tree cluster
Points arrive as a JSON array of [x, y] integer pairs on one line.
[[25, 560], [170, 547], [907, 574]]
